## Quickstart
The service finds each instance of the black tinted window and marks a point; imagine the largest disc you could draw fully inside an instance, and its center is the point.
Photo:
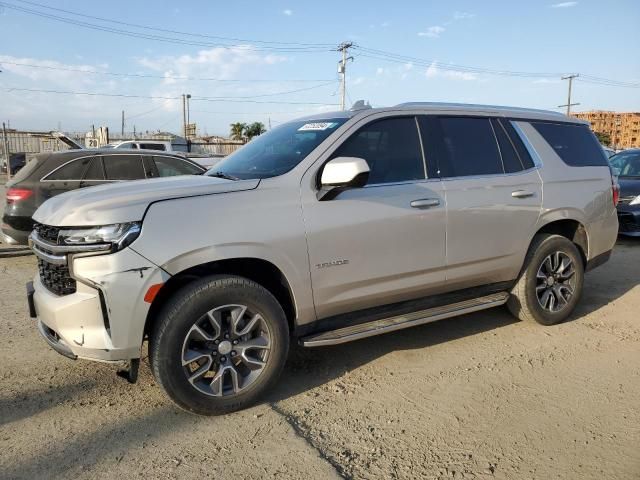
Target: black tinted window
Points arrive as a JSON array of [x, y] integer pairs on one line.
[[391, 147], [510, 159], [95, 171], [152, 146], [574, 144], [523, 153], [170, 166], [123, 167], [469, 147], [71, 171]]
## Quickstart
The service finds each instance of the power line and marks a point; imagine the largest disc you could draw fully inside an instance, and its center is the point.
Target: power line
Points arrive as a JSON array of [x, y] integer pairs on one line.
[[160, 38], [158, 97], [178, 32], [163, 77]]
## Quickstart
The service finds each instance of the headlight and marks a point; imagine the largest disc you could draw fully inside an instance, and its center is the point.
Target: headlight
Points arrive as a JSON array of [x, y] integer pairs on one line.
[[635, 201], [119, 235]]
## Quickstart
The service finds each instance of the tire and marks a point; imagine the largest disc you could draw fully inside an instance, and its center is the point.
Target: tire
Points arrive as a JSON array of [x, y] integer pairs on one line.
[[193, 325], [547, 273]]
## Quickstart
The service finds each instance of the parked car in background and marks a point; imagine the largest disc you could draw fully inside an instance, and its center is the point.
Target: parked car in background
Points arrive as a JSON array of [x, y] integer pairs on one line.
[[185, 149], [626, 165], [16, 162], [324, 230], [50, 174]]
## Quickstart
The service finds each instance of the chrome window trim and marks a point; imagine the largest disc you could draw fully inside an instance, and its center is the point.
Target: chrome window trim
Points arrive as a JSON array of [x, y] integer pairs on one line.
[[512, 174], [537, 160], [44, 179]]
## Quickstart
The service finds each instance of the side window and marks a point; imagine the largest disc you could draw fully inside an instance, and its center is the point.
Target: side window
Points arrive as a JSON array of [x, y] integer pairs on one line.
[[152, 146], [390, 146], [71, 171], [469, 147], [95, 170], [123, 167], [574, 144], [169, 166], [510, 160], [523, 153]]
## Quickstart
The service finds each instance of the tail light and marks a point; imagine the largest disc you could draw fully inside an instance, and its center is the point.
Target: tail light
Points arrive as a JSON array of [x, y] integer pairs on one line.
[[615, 190], [18, 194]]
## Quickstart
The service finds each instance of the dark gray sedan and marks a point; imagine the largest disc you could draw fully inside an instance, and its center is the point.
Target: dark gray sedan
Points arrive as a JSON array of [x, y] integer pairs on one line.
[[50, 174], [626, 165]]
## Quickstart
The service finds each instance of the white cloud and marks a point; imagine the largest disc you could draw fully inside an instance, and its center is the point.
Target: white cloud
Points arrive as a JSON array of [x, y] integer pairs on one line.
[[379, 71], [433, 71], [463, 15], [287, 12], [546, 80], [432, 32], [51, 71], [358, 81], [564, 4]]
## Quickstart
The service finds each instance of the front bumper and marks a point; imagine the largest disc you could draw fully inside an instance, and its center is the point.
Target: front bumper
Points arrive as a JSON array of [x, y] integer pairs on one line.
[[104, 318], [629, 222]]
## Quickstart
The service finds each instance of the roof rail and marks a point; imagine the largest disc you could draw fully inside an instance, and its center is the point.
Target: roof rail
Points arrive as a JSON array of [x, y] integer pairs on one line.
[[477, 107]]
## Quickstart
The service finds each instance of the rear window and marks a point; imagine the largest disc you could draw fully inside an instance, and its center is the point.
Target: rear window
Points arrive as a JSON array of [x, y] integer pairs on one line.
[[70, 171], [574, 144], [25, 171]]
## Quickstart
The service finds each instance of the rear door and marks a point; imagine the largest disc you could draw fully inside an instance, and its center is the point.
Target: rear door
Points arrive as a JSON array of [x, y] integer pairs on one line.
[[493, 197]]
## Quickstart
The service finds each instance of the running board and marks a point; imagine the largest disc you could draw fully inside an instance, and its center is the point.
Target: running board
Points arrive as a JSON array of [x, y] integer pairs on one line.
[[398, 322]]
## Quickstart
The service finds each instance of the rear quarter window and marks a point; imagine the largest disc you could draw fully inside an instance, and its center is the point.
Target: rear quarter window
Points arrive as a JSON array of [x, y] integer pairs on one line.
[[574, 144]]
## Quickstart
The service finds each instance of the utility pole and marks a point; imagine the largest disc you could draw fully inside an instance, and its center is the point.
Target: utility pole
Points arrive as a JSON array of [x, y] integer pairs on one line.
[[188, 110], [122, 126], [5, 141], [184, 116], [569, 104], [342, 69]]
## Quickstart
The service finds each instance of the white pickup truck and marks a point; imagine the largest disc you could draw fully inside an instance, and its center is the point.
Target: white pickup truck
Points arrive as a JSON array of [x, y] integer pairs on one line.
[[202, 158]]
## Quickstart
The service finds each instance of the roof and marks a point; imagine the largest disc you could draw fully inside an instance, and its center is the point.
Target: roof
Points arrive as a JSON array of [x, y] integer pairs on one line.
[[442, 107], [82, 152]]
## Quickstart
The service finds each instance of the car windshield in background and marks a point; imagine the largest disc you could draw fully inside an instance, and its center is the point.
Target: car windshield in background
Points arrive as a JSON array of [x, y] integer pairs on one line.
[[277, 151], [626, 164]]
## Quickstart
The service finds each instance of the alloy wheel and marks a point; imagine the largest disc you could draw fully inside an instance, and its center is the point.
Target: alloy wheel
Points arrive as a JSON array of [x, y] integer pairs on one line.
[[555, 282]]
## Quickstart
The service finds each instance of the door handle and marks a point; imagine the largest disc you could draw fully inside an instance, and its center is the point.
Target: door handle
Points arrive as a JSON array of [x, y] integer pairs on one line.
[[521, 194], [425, 203]]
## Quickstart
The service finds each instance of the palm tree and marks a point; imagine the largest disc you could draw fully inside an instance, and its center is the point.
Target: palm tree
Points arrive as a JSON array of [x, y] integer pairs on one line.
[[254, 129], [238, 130]]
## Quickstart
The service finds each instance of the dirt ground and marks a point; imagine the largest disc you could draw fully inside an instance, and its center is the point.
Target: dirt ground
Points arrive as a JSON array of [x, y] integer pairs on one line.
[[480, 396]]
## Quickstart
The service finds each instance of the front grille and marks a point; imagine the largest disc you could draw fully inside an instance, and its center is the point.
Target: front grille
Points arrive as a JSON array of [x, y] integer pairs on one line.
[[56, 278], [47, 232], [627, 223]]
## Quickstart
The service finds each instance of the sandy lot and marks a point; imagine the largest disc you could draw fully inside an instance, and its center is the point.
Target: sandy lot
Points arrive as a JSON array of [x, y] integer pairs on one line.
[[480, 396]]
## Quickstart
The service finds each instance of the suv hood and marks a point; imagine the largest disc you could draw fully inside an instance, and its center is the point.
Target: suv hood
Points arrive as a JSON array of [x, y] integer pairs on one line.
[[128, 201]]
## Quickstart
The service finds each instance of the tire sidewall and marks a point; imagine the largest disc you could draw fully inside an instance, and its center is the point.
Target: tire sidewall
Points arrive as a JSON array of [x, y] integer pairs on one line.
[[549, 245], [189, 305]]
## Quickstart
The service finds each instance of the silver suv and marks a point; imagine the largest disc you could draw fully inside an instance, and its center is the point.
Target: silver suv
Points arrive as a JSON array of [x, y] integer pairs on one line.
[[324, 230]]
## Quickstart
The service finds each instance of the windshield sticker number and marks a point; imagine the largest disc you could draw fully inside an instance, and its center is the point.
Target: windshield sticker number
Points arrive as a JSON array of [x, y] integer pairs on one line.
[[317, 126]]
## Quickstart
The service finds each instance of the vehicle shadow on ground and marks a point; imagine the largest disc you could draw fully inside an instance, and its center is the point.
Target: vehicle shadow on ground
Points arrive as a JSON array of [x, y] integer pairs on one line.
[[116, 439], [27, 404], [308, 368]]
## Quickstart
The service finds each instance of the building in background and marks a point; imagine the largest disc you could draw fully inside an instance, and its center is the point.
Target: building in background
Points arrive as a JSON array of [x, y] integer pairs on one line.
[[623, 129]]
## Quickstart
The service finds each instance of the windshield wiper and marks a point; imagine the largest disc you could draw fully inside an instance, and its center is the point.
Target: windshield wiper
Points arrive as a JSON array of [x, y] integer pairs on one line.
[[226, 176]]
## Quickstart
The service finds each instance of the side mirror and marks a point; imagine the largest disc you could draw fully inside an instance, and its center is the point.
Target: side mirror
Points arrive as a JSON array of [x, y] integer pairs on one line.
[[342, 173]]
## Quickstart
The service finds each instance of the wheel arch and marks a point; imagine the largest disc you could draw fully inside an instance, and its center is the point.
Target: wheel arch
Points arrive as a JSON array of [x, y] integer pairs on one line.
[[571, 229], [259, 270]]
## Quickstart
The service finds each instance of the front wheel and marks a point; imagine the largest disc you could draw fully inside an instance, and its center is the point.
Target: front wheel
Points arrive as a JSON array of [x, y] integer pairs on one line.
[[219, 344], [550, 284]]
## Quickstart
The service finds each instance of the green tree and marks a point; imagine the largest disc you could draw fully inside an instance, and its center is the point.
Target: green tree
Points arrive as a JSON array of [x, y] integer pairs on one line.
[[254, 129], [603, 137], [238, 130]]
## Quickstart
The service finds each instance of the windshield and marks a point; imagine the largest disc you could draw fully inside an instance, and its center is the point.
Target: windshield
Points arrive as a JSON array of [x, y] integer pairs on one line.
[[277, 151], [626, 164]]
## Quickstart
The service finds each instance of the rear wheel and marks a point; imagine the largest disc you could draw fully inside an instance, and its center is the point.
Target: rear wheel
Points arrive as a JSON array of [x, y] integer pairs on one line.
[[219, 344], [550, 285]]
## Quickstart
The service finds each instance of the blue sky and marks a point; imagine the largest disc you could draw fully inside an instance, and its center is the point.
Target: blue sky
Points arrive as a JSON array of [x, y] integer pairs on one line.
[[591, 37]]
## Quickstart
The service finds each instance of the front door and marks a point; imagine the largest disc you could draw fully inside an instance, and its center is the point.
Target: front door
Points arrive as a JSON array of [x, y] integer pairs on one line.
[[382, 243]]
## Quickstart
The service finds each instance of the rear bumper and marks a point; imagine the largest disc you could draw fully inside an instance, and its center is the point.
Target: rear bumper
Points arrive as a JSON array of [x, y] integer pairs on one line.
[[629, 221], [15, 230]]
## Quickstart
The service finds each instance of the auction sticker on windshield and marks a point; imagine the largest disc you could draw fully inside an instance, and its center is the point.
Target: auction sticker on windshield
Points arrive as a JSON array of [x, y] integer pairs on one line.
[[317, 126]]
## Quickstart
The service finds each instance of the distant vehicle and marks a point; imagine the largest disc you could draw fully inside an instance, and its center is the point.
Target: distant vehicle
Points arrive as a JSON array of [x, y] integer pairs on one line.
[[626, 165], [324, 230], [48, 175], [201, 158], [16, 162], [609, 152]]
